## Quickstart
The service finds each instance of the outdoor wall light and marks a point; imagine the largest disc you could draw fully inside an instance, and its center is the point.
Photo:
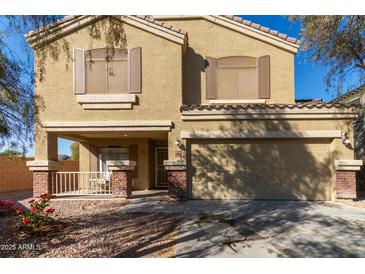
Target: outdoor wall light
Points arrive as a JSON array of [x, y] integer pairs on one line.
[[178, 142], [345, 139]]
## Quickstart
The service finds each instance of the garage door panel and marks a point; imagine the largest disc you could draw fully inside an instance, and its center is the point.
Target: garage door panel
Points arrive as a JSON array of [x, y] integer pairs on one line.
[[242, 184], [280, 169]]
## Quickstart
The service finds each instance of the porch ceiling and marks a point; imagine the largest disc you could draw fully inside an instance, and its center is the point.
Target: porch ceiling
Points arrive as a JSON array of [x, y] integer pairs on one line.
[[84, 136]]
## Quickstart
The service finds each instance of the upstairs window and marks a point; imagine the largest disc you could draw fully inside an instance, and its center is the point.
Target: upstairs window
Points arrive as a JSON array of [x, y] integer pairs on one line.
[[100, 71], [106, 72], [238, 78]]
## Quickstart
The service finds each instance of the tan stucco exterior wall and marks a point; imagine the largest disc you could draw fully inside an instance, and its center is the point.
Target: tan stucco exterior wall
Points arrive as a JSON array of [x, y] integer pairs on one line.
[[207, 39], [161, 94], [341, 152], [46, 146], [84, 157]]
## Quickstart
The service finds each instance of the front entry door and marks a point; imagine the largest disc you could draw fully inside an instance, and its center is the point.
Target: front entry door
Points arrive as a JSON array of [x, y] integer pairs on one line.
[[161, 154]]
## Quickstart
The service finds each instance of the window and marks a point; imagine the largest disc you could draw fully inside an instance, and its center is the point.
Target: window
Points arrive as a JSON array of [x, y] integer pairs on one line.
[[100, 71], [112, 153], [238, 78], [106, 72]]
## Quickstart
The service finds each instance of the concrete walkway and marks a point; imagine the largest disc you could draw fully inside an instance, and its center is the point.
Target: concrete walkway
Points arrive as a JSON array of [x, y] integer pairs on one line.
[[263, 228], [152, 202]]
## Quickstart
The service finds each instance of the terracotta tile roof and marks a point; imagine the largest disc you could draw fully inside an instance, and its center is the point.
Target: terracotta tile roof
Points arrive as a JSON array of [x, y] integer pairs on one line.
[[266, 106], [348, 94], [68, 20], [161, 23], [58, 23], [248, 23]]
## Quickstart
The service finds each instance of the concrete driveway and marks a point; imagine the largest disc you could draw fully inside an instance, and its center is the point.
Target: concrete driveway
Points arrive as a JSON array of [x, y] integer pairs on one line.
[[271, 229], [262, 229]]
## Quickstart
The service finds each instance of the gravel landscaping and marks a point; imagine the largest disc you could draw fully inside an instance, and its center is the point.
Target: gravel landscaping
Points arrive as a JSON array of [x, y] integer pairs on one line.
[[87, 228]]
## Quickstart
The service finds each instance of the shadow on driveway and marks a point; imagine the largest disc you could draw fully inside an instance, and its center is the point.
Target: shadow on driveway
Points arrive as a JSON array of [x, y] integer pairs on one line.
[[286, 229]]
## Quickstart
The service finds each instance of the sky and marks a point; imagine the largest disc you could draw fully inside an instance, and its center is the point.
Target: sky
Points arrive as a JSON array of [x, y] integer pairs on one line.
[[309, 77]]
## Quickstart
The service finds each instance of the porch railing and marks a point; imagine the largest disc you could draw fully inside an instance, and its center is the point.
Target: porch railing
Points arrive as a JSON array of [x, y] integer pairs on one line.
[[81, 183]]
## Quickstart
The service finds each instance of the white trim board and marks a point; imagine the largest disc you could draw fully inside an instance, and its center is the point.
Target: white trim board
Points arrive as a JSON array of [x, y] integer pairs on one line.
[[44, 165], [246, 114], [106, 98], [237, 101], [107, 106], [112, 126], [106, 101], [348, 164], [260, 134]]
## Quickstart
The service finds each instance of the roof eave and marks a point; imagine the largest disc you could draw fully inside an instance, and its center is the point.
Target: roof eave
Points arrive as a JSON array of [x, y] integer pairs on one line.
[[260, 35], [248, 30], [73, 23], [348, 94]]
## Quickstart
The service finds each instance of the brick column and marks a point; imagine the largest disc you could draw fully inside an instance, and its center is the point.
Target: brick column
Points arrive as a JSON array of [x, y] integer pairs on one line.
[[41, 183], [121, 178], [121, 183], [176, 179], [42, 171], [346, 183]]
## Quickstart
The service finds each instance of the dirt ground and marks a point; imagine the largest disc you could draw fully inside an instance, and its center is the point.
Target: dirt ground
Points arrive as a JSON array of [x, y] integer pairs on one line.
[[91, 229]]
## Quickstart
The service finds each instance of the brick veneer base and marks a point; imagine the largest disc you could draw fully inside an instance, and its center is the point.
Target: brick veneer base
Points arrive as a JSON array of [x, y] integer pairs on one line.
[[346, 184], [41, 183], [177, 184], [122, 183]]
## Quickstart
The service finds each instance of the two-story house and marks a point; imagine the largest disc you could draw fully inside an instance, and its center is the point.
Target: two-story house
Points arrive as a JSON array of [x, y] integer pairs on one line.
[[202, 105]]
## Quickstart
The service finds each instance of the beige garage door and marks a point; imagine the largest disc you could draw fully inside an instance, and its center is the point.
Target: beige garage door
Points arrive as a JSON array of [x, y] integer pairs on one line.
[[261, 169]]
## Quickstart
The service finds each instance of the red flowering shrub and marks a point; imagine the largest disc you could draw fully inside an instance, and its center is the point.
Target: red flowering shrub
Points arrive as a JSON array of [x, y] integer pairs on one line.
[[26, 221], [50, 211], [6, 207], [38, 215]]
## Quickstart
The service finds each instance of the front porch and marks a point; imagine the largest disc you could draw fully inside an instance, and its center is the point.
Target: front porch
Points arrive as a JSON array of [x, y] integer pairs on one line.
[[113, 163], [151, 194]]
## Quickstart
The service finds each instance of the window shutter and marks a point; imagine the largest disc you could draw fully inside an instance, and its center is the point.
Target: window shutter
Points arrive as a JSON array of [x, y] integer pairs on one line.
[[264, 77], [94, 158], [79, 71], [133, 156], [211, 78], [135, 70]]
